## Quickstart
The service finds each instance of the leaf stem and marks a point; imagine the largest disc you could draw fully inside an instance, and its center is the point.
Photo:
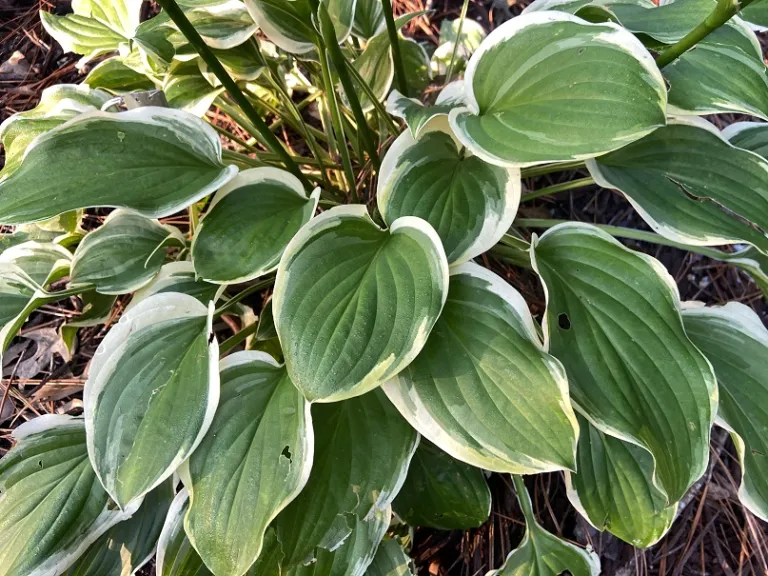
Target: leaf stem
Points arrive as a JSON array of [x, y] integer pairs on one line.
[[236, 339], [564, 187], [534, 171], [723, 11], [394, 41], [339, 62], [253, 288], [462, 17], [185, 26], [524, 498], [629, 233], [336, 123]]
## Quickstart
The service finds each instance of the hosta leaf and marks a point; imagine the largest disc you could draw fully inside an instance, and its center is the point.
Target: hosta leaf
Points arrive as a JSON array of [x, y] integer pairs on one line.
[[254, 460], [249, 224], [468, 391], [223, 25], [416, 64], [757, 15], [661, 176], [544, 554], [178, 277], [95, 28], [186, 88], [592, 90], [613, 488], [113, 75], [470, 203], [57, 105], [422, 119], [725, 73], [353, 303], [376, 67], [52, 506], [289, 24], [369, 19], [355, 554], [736, 342], [131, 543], [124, 254], [613, 320], [442, 493], [26, 270], [175, 554], [153, 160], [362, 451], [749, 136], [242, 62], [472, 34], [390, 560], [151, 392]]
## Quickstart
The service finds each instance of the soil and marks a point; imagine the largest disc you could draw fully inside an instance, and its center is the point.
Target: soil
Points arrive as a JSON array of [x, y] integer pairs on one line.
[[712, 535]]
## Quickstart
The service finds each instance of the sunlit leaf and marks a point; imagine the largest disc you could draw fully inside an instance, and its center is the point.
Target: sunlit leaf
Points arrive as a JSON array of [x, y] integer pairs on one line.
[[369, 19], [613, 320], [421, 118], [390, 560], [113, 75], [153, 160], [187, 89], [470, 203], [468, 391], [155, 373], [591, 90], [472, 34]]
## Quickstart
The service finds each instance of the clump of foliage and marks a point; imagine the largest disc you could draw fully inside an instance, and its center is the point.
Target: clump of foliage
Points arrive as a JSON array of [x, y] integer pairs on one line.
[[389, 369]]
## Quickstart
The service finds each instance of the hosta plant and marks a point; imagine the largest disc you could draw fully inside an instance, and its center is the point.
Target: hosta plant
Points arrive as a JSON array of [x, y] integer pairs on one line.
[[315, 352]]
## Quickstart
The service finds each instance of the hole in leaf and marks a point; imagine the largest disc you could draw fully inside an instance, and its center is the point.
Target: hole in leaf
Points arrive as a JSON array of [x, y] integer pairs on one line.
[[563, 321], [287, 453], [40, 463]]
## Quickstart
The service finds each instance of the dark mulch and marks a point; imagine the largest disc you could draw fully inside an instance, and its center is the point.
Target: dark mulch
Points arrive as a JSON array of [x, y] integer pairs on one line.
[[712, 534]]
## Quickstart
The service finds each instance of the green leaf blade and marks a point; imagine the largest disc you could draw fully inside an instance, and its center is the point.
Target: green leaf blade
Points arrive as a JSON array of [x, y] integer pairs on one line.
[[153, 160], [467, 391], [254, 460], [150, 394], [547, 110], [333, 278], [613, 320]]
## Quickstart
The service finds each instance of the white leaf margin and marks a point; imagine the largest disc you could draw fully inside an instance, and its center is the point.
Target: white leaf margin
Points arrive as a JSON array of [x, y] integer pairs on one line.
[[155, 309], [617, 36]]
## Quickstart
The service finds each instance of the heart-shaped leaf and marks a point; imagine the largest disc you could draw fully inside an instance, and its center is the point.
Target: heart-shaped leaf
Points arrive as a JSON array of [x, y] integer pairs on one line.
[[249, 224], [353, 303], [469, 203], [577, 90], [151, 394]]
